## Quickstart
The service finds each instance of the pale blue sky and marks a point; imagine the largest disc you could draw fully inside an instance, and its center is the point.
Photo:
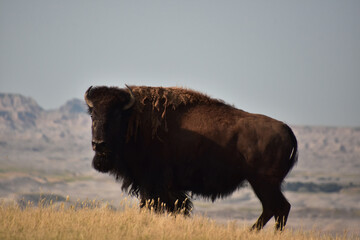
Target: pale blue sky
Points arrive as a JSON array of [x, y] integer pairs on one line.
[[297, 61]]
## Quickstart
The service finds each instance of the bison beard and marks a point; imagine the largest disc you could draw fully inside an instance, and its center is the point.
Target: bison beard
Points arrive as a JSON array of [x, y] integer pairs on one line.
[[167, 143], [102, 162]]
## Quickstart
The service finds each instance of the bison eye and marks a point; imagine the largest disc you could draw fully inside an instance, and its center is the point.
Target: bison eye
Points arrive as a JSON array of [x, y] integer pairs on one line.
[[90, 111]]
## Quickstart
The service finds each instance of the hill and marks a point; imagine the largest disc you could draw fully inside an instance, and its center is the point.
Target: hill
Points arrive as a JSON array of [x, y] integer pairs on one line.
[[18, 112]]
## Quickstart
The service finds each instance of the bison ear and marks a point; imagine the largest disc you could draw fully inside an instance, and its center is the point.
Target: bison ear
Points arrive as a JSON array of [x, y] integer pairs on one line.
[[87, 95], [131, 101]]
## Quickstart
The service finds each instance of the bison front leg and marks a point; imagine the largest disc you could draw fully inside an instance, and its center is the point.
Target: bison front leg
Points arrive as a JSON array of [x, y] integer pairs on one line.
[[171, 201], [179, 202], [152, 202], [146, 199]]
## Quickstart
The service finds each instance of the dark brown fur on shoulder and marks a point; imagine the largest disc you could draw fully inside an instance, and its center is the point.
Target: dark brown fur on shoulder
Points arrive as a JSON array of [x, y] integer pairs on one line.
[[158, 100]]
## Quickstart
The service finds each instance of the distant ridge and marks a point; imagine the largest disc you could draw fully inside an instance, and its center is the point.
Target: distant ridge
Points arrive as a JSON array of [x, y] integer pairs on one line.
[[74, 106], [18, 103], [18, 112]]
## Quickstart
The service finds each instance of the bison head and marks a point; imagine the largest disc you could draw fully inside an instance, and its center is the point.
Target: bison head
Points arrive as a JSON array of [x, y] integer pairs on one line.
[[108, 108]]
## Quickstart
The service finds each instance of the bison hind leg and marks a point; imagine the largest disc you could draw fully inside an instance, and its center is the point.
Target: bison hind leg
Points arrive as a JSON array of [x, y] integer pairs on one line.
[[282, 213], [273, 202]]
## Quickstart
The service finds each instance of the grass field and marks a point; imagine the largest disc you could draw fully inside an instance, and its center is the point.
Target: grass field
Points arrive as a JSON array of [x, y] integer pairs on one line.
[[96, 220]]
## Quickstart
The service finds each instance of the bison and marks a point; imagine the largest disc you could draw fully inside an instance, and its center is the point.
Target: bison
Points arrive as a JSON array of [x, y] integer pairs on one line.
[[167, 144]]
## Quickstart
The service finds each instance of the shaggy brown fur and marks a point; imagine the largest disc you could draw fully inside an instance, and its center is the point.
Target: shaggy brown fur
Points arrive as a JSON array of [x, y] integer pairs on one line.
[[160, 99], [167, 143]]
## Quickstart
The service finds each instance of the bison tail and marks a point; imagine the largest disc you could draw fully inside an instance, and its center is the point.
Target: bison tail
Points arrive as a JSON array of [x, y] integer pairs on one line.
[[294, 153]]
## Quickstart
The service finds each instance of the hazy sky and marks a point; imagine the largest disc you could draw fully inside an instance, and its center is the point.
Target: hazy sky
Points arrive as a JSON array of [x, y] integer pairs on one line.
[[297, 61]]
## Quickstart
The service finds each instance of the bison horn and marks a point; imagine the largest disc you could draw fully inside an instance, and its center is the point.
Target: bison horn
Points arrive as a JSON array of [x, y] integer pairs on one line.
[[131, 101], [87, 94]]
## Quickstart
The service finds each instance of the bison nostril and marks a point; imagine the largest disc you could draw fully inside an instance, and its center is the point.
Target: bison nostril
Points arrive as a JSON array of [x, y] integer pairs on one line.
[[99, 146]]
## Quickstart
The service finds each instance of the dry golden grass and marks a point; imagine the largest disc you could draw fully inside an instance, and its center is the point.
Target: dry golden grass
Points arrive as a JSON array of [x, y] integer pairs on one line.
[[91, 220]]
